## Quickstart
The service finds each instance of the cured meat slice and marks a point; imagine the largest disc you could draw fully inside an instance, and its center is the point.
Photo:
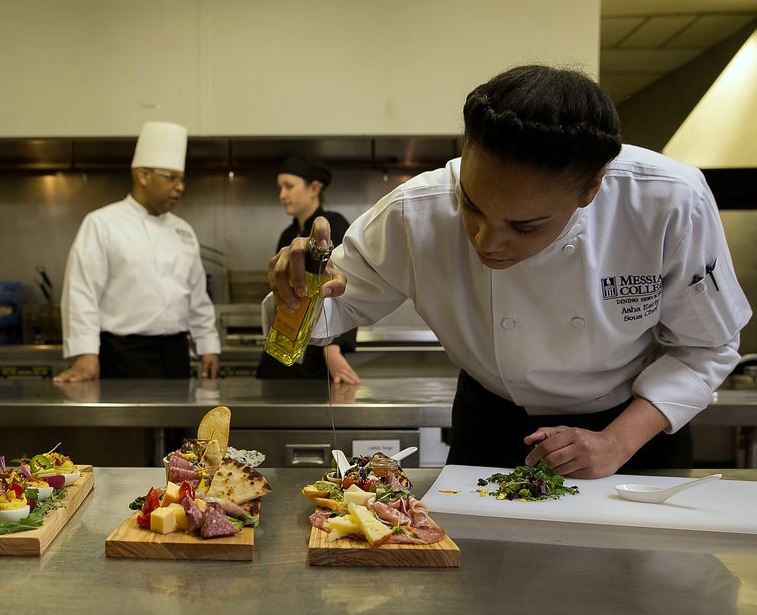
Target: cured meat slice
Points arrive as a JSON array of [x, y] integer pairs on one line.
[[419, 535], [177, 461], [194, 514], [179, 475], [215, 523], [389, 514]]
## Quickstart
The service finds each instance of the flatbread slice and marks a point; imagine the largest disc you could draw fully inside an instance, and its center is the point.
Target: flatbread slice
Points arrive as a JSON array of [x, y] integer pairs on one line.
[[237, 482], [212, 456], [215, 425]]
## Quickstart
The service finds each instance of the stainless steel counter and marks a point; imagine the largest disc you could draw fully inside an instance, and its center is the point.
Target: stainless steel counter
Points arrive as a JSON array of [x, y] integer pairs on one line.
[[259, 404], [525, 567], [379, 403]]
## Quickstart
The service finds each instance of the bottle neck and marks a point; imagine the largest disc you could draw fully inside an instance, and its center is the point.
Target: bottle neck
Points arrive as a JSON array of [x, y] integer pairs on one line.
[[317, 257]]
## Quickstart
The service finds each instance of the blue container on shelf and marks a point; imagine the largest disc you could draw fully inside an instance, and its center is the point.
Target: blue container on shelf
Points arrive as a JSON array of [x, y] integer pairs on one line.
[[10, 312]]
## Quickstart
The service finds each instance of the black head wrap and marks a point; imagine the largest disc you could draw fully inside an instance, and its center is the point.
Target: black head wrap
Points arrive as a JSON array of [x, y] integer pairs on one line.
[[307, 167]]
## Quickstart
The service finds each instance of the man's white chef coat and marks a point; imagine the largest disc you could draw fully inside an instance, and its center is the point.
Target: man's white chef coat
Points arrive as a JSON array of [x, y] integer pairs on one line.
[[614, 306], [132, 273]]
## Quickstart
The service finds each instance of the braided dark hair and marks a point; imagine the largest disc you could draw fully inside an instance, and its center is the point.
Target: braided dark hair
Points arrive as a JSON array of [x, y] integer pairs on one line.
[[557, 120]]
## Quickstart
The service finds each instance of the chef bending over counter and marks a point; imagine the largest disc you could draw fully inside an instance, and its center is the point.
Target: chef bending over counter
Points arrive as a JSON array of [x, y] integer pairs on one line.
[[583, 287]]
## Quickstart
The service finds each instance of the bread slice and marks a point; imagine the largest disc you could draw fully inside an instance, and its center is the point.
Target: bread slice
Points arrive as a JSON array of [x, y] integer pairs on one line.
[[215, 425], [375, 532], [321, 498]]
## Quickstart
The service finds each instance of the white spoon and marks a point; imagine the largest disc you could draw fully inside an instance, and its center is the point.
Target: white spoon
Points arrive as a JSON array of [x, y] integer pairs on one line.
[[657, 495], [405, 452], [342, 465]]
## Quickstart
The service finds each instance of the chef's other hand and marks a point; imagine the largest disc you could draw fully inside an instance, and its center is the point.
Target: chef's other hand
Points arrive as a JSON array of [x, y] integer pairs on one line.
[[339, 368], [574, 452], [209, 366], [85, 367], [289, 264]]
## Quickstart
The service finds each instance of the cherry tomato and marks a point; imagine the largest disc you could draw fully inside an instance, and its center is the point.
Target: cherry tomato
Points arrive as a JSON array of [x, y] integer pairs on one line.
[[369, 485]]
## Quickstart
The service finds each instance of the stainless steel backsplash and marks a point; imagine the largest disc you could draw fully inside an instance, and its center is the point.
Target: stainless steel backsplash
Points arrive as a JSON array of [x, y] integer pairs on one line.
[[237, 220]]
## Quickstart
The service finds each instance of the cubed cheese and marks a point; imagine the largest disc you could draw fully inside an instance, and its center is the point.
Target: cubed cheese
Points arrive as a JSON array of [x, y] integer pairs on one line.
[[182, 524], [171, 495], [355, 495], [163, 520], [201, 503]]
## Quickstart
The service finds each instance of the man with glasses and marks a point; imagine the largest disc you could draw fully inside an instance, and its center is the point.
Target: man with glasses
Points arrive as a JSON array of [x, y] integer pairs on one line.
[[135, 287]]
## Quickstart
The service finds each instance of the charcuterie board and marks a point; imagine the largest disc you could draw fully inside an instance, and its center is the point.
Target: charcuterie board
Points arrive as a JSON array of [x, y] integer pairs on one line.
[[36, 542], [130, 540], [347, 552]]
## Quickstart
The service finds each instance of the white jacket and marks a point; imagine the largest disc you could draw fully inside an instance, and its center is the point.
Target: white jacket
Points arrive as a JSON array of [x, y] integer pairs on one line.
[[132, 273], [612, 307]]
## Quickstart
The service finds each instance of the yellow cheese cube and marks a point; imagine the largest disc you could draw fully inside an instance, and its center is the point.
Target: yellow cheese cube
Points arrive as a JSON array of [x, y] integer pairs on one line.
[[355, 495], [163, 520], [182, 523], [201, 503], [171, 495]]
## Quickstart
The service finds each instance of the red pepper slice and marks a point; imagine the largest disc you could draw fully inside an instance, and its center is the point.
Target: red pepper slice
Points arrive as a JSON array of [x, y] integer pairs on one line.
[[152, 501], [186, 489], [17, 489]]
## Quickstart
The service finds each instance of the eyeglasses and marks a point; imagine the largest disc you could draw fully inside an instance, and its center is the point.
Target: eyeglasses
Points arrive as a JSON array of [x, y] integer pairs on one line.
[[174, 178]]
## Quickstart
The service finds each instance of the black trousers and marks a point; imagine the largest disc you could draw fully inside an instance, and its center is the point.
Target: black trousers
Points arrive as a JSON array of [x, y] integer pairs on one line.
[[488, 430], [147, 356], [142, 356]]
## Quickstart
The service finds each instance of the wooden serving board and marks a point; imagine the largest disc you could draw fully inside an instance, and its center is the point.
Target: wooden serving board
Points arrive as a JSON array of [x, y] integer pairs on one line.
[[130, 540], [348, 552], [36, 542]]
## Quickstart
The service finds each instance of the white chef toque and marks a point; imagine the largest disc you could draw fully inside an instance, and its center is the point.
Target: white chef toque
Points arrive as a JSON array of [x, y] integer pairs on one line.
[[161, 145]]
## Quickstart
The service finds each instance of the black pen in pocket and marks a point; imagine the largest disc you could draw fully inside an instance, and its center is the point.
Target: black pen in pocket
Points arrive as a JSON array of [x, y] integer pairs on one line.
[[709, 270]]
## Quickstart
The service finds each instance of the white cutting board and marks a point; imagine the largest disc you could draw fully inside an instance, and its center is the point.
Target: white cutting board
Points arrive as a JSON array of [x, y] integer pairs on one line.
[[722, 506]]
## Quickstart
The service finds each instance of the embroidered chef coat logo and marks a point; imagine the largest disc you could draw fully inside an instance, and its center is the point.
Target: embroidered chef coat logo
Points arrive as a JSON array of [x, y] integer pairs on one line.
[[639, 295], [185, 235]]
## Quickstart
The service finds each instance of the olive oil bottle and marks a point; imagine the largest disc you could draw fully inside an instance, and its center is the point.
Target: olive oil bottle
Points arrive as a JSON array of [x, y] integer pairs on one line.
[[290, 332]]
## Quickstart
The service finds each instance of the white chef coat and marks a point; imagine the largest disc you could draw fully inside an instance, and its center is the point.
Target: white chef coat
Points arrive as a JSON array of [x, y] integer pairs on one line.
[[129, 272], [612, 307]]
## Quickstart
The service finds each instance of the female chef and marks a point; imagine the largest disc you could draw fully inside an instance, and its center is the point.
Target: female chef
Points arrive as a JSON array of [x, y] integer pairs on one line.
[[584, 288], [302, 180]]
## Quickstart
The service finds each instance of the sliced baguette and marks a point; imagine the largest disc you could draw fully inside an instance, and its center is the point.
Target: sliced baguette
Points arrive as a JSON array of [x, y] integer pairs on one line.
[[321, 498]]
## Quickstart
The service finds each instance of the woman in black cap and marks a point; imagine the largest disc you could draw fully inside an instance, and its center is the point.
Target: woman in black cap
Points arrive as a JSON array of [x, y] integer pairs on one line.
[[302, 180]]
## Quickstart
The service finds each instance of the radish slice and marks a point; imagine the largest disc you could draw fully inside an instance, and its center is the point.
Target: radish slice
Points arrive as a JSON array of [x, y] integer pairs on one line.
[[56, 481], [14, 514]]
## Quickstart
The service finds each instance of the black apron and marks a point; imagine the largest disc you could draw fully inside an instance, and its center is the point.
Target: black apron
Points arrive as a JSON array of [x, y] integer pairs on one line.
[[148, 356], [488, 430], [144, 356]]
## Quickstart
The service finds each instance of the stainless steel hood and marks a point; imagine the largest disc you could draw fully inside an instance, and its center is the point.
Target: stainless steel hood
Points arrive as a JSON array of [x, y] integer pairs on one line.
[[230, 153]]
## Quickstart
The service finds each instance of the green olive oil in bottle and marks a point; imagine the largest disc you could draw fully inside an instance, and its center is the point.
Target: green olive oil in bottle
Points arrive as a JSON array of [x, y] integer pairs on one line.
[[290, 332]]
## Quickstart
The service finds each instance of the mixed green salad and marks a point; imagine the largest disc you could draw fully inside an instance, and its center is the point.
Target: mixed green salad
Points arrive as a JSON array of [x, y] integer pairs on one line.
[[527, 483]]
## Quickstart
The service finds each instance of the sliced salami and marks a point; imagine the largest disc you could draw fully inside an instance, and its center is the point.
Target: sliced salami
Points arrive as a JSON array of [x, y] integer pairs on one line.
[[215, 523], [179, 475], [194, 514]]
